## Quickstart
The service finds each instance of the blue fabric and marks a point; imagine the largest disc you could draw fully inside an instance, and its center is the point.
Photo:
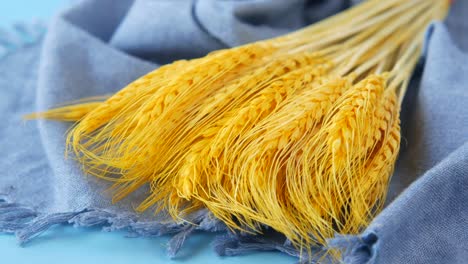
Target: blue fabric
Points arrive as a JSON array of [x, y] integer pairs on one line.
[[98, 46]]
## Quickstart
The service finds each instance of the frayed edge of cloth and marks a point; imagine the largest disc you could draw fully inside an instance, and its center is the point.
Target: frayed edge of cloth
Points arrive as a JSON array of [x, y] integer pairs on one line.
[[360, 249], [231, 244], [26, 223], [20, 35]]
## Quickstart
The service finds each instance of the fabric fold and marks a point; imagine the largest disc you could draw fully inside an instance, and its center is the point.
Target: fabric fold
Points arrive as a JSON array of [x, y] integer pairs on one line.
[[173, 34]]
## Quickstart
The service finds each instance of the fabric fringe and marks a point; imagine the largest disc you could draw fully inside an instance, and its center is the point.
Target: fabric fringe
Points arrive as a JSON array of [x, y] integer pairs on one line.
[[353, 249], [20, 35], [26, 223], [234, 245]]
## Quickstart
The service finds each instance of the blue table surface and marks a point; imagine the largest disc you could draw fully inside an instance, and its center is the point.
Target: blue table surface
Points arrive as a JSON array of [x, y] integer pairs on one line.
[[65, 244]]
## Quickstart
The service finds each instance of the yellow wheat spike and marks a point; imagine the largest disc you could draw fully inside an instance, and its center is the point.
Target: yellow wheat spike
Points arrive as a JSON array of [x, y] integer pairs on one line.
[[369, 193], [380, 169], [335, 155], [353, 125]]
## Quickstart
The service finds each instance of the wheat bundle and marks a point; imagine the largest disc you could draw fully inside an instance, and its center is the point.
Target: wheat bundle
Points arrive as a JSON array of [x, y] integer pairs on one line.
[[299, 133]]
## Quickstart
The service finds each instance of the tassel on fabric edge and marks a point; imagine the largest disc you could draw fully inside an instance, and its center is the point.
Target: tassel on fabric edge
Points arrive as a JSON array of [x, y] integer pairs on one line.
[[27, 223], [20, 35]]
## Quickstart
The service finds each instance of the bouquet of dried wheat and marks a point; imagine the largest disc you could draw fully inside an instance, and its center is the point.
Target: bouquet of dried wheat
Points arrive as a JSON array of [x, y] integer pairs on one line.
[[299, 133]]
